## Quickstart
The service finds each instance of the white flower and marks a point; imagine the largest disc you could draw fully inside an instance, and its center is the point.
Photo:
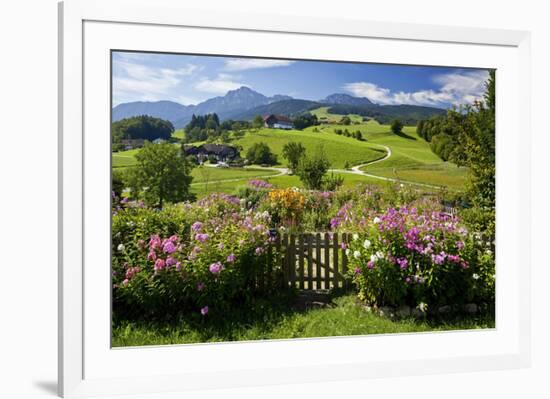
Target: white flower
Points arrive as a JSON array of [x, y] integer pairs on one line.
[[376, 220], [489, 252], [422, 307], [373, 258], [348, 252], [355, 237], [475, 276], [366, 244], [120, 247], [356, 254], [379, 254]]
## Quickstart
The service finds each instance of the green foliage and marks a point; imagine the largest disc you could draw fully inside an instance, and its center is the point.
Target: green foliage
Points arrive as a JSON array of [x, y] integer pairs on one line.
[[345, 120], [293, 153], [192, 258], [305, 120], [333, 182], [260, 154], [161, 174], [203, 127], [117, 182], [258, 122], [141, 127], [396, 126], [408, 114], [312, 170]]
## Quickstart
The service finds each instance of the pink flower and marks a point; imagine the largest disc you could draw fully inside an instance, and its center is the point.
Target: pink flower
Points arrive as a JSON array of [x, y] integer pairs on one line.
[[159, 264], [174, 238], [215, 268], [169, 247], [152, 256], [154, 242], [204, 310], [231, 258], [259, 251], [357, 270], [370, 264], [459, 245]]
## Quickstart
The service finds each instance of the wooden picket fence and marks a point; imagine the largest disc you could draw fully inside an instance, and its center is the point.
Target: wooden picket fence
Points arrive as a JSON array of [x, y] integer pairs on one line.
[[313, 261]]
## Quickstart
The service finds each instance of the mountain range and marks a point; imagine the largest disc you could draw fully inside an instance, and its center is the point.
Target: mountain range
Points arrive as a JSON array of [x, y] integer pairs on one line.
[[244, 104]]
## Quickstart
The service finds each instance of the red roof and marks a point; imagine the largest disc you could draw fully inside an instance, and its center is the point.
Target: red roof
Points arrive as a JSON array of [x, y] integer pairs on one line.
[[278, 118]]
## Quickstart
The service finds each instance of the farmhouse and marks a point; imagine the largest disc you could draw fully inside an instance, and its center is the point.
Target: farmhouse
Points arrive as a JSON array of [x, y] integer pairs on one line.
[[278, 122], [221, 152], [132, 143]]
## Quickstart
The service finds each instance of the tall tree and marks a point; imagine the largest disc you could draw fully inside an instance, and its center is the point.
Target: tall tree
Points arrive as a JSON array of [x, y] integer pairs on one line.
[[293, 153], [161, 174], [312, 170]]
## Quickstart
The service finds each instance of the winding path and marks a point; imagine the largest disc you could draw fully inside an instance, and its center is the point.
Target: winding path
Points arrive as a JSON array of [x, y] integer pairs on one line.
[[355, 170]]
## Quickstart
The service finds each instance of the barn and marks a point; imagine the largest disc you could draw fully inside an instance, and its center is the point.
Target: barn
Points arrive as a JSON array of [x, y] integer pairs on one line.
[[278, 122]]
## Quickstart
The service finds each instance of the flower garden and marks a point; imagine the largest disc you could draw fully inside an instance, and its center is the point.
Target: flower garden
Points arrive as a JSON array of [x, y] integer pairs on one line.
[[198, 264]]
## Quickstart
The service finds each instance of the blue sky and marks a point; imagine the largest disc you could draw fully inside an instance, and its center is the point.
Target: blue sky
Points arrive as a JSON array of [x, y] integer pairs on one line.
[[190, 79]]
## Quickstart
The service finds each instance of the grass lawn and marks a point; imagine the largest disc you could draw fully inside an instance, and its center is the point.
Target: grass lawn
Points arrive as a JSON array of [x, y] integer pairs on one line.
[[323, 115], [273, 320], [411, 158], [339, 149]]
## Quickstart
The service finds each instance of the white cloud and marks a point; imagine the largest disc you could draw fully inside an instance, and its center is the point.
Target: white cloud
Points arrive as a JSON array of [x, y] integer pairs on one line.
[[455, 88], [133, 81], [241, 64], [219, 85]]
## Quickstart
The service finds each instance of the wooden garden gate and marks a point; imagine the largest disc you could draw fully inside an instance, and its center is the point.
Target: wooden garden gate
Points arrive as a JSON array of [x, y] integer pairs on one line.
[[313, 261]]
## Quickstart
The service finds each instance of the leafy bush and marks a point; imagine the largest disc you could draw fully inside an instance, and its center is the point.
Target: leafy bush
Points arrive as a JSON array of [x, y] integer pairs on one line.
[[405, 256], [201, 258]]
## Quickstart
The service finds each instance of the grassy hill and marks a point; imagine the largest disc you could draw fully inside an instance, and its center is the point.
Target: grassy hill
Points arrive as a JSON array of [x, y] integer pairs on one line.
[[339, 149], [411, 159], [323, 115]]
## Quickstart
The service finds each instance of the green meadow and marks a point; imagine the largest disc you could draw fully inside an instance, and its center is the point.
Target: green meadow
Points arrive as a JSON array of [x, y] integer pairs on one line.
[[411, 159]]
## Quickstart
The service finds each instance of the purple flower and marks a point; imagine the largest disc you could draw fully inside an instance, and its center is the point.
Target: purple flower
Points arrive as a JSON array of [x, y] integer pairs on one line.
[[357, 270], [202, 237], [178, 266], [196, 226], [259, 251], [124, 200], [200, 286], [204, 310], [215, 268], [231, 258], [370, 264], [344, 245], [403, 263], [170, 261], [459, 245], [438, 259], [169, 247]]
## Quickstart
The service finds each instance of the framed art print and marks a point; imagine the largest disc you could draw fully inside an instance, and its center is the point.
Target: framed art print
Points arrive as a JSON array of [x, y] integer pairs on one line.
[[249, 202]]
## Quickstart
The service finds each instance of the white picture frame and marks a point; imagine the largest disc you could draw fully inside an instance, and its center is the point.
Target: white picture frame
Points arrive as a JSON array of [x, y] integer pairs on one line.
[[87, 364]]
